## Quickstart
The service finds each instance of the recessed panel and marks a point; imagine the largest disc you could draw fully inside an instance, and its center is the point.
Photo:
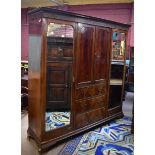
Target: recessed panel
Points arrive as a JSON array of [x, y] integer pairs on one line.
[[85, 49], [101, 53], [56, 94], [57, 77]]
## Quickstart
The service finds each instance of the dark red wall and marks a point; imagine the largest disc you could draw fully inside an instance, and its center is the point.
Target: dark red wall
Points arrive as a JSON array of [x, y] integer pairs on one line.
[[117, 12]]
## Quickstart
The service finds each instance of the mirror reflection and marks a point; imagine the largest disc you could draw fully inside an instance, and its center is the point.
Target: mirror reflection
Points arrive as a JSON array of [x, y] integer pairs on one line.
[[58, 76], [60, 30], [118, 46]]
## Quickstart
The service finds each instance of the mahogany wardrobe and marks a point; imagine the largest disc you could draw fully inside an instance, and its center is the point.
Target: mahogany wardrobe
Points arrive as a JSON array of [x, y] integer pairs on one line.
[[76, 74]]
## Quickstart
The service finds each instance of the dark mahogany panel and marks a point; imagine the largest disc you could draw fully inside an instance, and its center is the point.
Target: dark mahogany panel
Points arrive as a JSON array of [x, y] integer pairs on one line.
[[58, 87], [60, 48], [101, 52], [85, 48]]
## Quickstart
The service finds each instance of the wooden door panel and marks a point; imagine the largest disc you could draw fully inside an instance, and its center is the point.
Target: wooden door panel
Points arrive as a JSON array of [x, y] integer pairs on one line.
[[57, 94], [58, 76], [60, 52], [102, 50], [58, 87], [85, 48]]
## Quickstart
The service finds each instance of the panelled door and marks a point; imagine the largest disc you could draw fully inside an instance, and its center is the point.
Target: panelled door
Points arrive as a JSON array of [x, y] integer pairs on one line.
[[93, 54], [102, 54], [85, 49], [58, 87]]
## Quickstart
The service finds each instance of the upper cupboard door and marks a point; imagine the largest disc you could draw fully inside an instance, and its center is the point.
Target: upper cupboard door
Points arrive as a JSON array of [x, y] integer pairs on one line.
[[102, 51], [85, 48]]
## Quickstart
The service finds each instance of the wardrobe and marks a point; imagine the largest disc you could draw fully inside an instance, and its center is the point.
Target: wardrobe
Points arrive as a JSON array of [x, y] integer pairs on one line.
[[70, 62]]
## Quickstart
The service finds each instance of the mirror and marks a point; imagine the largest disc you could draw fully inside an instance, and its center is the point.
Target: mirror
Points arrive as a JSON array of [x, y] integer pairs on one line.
[[58, 76], [59, 30], [118, 46]]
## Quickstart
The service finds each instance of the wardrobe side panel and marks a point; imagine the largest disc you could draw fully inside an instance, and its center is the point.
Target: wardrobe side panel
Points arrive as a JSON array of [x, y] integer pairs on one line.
[[35, 40]]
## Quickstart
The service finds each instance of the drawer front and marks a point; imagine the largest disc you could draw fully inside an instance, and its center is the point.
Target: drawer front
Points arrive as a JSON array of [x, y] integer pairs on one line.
[[96, 115], [90, 104], [90, 91], [89, 117], [81, 120]]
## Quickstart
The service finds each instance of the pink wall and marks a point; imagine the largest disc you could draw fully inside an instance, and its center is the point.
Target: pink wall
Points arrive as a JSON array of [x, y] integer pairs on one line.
[[24, 35], [116, 12], [122, 13], [132, 29]]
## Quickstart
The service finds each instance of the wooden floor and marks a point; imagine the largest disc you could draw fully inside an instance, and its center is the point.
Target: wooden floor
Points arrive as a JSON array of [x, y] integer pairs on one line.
[[28, 147]]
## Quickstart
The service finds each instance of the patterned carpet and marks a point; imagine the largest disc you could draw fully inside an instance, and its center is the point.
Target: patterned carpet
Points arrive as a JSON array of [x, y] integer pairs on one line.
[[56, 119], [111, 139]]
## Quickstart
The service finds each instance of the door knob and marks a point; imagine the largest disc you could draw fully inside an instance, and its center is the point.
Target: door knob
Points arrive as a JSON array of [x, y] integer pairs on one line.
[[68, 85]]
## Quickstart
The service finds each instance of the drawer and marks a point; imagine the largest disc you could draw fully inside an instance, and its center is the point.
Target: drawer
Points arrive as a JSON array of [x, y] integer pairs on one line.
[[81, 120], [89, 117], [96, 115], [90, 91], [90, 104]]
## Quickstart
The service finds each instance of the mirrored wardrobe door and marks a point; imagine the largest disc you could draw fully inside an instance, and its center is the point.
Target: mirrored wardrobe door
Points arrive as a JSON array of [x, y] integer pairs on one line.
[[118, 45], [58, 76]]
